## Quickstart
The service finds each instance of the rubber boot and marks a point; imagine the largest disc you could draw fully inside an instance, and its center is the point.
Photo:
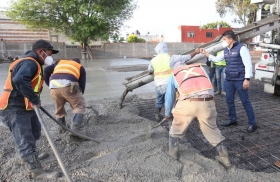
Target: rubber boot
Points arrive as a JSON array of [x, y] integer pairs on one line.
[[157, 114], [62, 121], [218, 92], [77, 121], [34, 168], [41, 156], [173, 147], [223, 155]]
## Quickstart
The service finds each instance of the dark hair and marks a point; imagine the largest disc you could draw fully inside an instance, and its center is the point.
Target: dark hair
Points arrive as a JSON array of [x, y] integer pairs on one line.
[[229, 34]]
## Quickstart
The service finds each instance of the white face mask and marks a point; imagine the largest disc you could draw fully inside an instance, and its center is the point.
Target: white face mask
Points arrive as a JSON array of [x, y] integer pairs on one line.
[[225, 44], [48, 61]]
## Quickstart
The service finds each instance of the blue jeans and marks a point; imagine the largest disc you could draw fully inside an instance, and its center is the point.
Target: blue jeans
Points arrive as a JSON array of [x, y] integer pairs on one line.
[[220, 76], [25, 127], [231, 87], [211, 73], [160, 95]]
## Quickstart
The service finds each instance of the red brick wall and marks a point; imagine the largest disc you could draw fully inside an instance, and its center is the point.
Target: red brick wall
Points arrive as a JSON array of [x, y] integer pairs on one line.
[[200, 34]]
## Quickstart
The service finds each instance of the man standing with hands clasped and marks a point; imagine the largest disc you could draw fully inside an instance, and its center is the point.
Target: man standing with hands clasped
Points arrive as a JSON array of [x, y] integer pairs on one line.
[[238, 73]]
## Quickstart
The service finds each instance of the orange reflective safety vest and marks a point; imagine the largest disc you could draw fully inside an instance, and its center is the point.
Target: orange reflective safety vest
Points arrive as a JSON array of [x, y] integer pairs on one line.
[[191, 79], [161, 65], [68, 67], [36, 83]]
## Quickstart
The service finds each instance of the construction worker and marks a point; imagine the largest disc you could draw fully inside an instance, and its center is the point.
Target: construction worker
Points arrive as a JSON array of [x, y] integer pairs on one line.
[[220, 75], [161, 67], [22, 90], [67, 80], [238, 73], [195, 100]]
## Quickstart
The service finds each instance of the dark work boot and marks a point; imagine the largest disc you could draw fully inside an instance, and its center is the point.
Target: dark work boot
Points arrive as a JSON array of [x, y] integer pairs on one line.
[[223, 155], [229, 123], [157, 114], [217, 92], [62, 121], [77, 121], [174, 147], [34, 168], [41, 156]]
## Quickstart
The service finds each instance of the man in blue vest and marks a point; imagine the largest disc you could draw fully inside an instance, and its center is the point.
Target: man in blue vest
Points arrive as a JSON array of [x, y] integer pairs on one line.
[[238, 73]]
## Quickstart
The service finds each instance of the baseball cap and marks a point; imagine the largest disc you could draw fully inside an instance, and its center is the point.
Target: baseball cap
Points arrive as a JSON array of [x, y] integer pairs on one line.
[[39, 44]]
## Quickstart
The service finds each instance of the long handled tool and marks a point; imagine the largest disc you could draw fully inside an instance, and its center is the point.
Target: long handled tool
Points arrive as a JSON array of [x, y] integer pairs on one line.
[[66, 128], [150, 128], [57, 156]]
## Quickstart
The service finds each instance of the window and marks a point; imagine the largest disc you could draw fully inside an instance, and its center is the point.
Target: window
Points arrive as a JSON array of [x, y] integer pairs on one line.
[[190, 34], [209, 34], [71, 46], [95, 46]]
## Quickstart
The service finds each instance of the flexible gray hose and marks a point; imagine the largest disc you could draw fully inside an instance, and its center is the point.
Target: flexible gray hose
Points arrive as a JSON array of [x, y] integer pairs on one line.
[[66, 128], [64, 169]]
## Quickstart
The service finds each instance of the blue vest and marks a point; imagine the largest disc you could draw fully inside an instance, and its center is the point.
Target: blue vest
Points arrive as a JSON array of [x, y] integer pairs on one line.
[[235, 69]]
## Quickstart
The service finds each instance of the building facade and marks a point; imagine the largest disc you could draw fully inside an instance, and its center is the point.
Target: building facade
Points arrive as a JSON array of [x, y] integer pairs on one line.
[[196, 34]]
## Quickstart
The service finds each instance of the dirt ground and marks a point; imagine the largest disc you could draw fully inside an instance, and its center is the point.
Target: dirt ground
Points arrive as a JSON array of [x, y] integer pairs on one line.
[[124, 153]]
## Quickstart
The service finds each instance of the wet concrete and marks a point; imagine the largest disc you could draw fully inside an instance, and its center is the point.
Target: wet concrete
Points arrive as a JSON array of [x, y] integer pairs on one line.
[[101, 82]]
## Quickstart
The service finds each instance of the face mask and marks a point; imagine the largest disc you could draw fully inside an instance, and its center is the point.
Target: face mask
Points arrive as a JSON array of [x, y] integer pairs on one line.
[[225, 44], [48, 61]]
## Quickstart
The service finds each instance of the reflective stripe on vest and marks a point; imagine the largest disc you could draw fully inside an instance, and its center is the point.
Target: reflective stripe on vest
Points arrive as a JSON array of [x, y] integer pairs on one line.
[[221, 63], [36, 84], [191, 78], [68, 67], [161, 65]]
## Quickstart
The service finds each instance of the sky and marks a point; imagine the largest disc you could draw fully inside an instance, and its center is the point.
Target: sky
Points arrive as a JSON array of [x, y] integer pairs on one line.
[[159, 16]]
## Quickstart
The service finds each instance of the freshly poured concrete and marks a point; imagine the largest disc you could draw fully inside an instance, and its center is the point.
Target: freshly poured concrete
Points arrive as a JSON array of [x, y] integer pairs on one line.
[[124, 153]]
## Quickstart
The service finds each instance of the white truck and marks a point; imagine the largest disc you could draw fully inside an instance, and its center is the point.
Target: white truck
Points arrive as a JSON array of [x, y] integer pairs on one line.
[[267, 69]]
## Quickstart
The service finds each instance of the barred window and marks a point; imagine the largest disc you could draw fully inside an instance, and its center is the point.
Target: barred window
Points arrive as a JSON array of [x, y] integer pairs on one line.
[[209, 34], [190, 34]]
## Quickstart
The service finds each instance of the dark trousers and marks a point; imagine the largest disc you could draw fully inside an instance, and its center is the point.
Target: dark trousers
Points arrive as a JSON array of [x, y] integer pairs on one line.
[[25, 127], [231, 87]]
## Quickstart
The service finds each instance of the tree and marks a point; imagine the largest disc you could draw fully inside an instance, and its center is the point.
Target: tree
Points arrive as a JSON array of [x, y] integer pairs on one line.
[[214, 25], [245, 11], [80, 20], [133, 38]]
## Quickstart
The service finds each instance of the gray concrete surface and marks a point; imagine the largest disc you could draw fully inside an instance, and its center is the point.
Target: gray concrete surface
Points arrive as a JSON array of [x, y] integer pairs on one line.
[[101, 83]]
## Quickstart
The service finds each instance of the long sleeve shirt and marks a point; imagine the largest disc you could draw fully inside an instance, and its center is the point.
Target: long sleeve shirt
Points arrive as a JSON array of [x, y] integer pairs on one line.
[[49, 76], [170, 95], [22, 76], [246, 59], [174, 59]]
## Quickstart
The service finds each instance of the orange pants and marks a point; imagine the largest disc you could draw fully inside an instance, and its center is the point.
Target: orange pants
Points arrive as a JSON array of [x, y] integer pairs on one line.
[[62, 95], [186, 111]]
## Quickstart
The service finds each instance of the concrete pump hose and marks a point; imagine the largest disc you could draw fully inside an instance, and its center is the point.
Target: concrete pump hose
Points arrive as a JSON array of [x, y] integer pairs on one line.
[[66, 128], [65, 171]]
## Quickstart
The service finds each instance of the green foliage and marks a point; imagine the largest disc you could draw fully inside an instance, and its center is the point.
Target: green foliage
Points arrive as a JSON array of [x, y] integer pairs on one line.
[[121, 39], [81, 20], [215, 24], [243, 9], [133, 38]]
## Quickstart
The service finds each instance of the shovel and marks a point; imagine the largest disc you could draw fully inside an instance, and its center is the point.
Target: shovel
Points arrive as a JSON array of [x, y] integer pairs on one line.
[[150, 128], [56, 153], [66, 128]]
